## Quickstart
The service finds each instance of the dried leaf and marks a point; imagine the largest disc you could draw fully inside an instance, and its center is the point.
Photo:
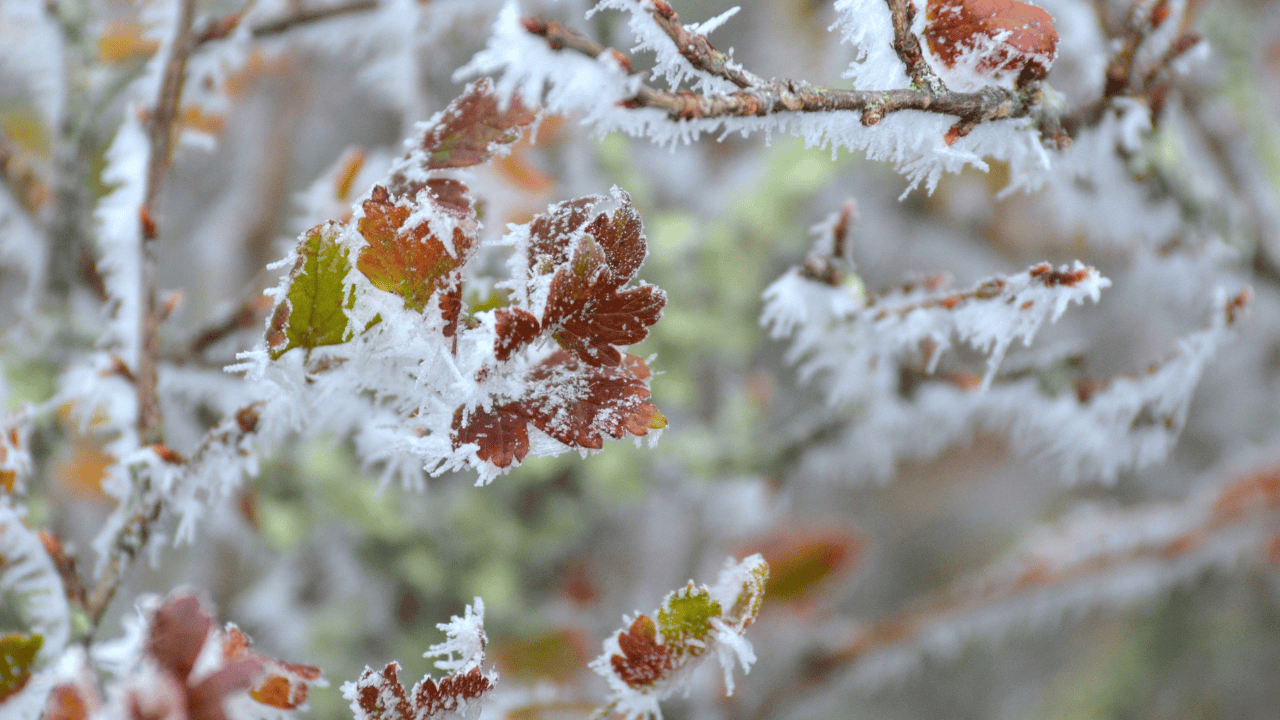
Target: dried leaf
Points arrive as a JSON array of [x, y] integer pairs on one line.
[[17, 656], [643, 661], [468, 130], [410, 261], [312, 313], [579, 403], [1023, 35], [502, 435]]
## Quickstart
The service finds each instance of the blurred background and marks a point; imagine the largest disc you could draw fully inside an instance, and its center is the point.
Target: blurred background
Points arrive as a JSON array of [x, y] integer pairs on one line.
[[323, 560]]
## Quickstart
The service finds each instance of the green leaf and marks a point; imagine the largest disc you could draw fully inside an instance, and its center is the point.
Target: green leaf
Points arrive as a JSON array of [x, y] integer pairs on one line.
[[313, 314], [751, 596], [17, 656], [686, 614]]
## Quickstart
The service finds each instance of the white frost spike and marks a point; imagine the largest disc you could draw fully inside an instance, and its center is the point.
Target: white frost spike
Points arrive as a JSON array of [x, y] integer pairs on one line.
[[466, 638]]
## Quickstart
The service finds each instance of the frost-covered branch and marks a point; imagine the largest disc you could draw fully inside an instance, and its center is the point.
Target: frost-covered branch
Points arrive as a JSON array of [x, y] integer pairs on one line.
[[1096, 557], [759, 97]]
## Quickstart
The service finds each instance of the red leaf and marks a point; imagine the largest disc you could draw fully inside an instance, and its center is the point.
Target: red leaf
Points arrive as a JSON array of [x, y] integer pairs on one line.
[[471, 125], [516, 328], [410, 261], [178, 631], [586, 312], [956, 27], [576, 403], [643, 661], [502, 435]]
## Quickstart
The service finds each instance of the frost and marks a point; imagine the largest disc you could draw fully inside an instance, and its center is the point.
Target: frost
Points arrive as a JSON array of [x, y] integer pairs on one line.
[[913, 142]]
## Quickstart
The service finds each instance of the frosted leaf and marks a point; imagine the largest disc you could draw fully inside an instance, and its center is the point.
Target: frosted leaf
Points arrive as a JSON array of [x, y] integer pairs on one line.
[[651, 660], [459, 695]]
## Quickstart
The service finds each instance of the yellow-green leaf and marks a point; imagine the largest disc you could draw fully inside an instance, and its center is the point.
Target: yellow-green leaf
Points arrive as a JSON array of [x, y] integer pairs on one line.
[[313, 314], [17, 656], [686, 614]]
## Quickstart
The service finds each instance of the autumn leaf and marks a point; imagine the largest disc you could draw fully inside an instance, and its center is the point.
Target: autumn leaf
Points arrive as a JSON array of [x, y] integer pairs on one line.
[[502, 435], [516, 328], [643, 661], [410, 261], [587, 312], [1010, 35], [800, 562], [576, 404], [380, 696], [467, 132], [285, 685], [17, 656], [313, 312]]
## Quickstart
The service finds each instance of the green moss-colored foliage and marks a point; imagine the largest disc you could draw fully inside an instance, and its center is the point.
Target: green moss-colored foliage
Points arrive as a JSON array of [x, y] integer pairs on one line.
[[17, 656], [686, 614], [314, 314]]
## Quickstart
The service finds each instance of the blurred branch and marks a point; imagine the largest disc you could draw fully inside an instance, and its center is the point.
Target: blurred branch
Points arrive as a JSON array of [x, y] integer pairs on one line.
[[1105, 557], [223, 27]]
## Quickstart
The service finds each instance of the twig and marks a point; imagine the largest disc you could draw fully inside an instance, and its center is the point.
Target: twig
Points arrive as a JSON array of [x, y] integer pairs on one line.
[[759, 97], [1236, 514], [303, 17], [160, 134], [135, 533]]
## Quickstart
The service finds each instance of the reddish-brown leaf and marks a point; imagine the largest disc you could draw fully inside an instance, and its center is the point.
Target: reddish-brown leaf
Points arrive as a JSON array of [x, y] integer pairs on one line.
[[551, 236], [470, 127], [178, 631], [502, 434], [516, 328], [410, 261], [380, 696], [801, 560], [204, 700], [432, 698], [955, 27], [643, 661], [285, 685], [579, 403], [586, 311]]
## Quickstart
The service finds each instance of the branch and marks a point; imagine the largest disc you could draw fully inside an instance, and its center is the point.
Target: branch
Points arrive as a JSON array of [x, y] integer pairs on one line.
[[223, 27], [135, 533], [160, 136], [759, 97]]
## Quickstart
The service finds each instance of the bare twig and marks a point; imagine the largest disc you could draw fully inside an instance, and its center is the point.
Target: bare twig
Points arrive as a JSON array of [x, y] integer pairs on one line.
[[160, 134], [304, 17]]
